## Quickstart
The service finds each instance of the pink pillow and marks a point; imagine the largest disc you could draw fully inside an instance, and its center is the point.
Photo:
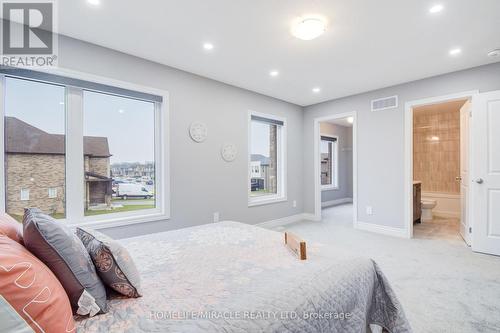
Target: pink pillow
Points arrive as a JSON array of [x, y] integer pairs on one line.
[[11, 228], [32, 290]]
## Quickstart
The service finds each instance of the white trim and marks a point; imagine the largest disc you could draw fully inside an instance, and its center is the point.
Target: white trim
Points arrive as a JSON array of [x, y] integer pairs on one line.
[[281, 143], [311, 217], [382, 229], [281, 221], [162, 156], [284, 221], [408, 150], [336, 202], [317, 166]]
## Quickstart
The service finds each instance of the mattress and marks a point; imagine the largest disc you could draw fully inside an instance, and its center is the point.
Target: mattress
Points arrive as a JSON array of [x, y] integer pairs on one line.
[[234, 277]]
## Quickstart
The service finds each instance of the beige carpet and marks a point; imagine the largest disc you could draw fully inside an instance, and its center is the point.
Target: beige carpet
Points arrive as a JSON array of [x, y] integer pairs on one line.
[[442, 284]]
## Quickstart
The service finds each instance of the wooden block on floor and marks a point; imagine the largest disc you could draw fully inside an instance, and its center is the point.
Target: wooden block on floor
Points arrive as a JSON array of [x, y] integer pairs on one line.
[[296, 245]]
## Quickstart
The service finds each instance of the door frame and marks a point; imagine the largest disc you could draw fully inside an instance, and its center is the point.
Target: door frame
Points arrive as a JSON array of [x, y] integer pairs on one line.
[[317, 165], [408, 151]]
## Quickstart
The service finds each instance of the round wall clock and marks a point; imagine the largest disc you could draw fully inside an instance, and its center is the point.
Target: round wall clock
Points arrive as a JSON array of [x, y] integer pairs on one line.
[[198, 131], [229, 152]]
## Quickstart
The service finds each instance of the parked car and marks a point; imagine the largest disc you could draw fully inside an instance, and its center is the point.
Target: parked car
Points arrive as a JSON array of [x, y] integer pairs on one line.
[[126, 190]]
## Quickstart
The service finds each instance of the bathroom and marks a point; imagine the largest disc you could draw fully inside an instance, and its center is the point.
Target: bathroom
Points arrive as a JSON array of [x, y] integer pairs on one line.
[[439, 168]]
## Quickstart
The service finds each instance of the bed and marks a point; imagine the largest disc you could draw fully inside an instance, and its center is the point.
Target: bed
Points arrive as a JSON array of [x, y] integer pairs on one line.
[[234, 277]]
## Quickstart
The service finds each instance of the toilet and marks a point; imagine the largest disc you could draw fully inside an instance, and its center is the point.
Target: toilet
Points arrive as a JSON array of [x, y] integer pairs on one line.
[[427, 207]]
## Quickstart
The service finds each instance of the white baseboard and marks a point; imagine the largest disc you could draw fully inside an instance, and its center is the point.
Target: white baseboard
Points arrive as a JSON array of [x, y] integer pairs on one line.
[[336, 202], [311, 217], [381, 229], [282, 221]]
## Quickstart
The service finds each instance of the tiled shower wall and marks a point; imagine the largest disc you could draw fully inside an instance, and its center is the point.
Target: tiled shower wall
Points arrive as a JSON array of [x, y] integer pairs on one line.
[[436, 150]]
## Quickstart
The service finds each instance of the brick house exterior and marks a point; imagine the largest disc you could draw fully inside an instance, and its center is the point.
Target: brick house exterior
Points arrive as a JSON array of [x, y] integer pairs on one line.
[[35, 169]]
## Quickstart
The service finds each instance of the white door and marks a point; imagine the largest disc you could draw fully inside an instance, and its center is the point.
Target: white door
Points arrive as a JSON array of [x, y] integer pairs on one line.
[[465, 112], [485, 154]]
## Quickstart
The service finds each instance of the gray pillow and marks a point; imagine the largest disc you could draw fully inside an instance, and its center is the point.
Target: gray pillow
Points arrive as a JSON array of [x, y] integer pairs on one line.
[[113, 262], [63, 252]]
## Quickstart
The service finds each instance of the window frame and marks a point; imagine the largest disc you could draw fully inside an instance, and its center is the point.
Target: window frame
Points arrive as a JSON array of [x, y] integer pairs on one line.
[[74, 151], [281, 195], [55, 193], [335, 163]]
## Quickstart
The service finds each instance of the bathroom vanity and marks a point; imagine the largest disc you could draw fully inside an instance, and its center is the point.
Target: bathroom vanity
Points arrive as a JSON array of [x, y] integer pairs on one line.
[[417, 201]]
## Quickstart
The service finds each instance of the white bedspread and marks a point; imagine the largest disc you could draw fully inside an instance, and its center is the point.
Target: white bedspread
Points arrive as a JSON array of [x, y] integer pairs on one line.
[[233, 277]]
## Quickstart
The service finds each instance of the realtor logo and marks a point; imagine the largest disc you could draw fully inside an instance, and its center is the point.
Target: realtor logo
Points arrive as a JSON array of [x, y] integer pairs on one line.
[[28, 34]]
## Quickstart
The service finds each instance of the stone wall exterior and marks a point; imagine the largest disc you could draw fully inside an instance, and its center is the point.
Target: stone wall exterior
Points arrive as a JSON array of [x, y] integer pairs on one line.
[[272, 175], [100, 166], [37, 173], [40, 172]]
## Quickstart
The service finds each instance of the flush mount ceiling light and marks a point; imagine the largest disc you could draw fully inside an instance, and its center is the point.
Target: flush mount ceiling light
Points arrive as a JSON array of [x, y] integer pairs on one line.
[[494, 53], [316, 90], [274, 73], [208, 46], [455, 52], [436, 9], [94, 2], [308, 28], [350, 120]]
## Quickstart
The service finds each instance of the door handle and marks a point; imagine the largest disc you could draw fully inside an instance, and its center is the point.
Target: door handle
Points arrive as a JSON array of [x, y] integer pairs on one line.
[[458, 178], [479, 180]]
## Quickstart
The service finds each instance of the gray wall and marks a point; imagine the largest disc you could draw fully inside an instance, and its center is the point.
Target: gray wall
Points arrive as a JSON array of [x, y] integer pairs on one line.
[[380, 140], [201, 182], [344, 135]]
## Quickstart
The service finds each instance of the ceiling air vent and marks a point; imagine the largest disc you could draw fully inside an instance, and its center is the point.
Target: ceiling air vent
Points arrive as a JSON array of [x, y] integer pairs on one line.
[[385, 103]]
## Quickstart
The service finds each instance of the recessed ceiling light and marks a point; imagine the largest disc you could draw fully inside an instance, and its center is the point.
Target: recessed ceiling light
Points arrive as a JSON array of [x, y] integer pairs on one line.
[[307, 28], [316, 90], [208, 46], [274, 73], [455, 52], [494, 53], [121, 111], [350, 120], [436, 9], [94, 2]]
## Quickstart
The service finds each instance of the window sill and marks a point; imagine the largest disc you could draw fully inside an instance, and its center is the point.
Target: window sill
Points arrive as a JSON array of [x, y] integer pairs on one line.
[[119, 221], [266, 200], [329, 188]]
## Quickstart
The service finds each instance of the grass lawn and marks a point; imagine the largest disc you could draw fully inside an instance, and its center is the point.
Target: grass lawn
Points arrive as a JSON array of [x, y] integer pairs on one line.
[[127, 208]]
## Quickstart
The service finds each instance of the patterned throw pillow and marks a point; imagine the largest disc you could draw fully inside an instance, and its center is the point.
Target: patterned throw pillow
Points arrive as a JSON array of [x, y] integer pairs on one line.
[[59, 248], [113, 262]]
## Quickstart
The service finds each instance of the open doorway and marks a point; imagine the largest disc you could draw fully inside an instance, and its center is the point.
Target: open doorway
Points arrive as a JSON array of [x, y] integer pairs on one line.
[[335, 163], [437, 159]]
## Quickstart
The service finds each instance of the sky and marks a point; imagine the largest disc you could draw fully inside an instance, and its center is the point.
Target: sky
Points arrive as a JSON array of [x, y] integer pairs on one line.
[[127, 123], [260, 138]]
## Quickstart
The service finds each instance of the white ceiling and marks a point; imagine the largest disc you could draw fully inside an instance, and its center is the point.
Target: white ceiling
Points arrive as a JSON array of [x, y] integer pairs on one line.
[[340, 121], [368, 45]]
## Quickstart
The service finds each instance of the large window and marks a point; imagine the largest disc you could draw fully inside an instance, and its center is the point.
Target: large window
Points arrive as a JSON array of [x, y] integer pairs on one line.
[[267, 159], [34, 147], [329, 162], [81, 151], [119, 141]]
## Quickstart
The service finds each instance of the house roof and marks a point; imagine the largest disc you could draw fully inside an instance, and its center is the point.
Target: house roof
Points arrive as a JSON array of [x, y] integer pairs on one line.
[[24, 138], [260, 158]]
